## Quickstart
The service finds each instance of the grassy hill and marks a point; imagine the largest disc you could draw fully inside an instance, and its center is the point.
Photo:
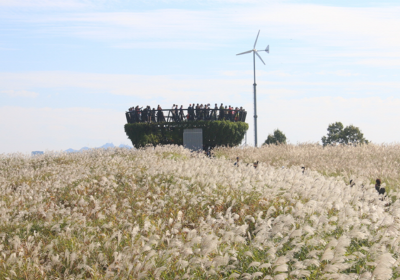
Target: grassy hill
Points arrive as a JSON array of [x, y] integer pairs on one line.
[[165, 213], [363, 163]]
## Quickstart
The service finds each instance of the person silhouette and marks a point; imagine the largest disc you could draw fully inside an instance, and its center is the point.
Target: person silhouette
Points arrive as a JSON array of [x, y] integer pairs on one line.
[[221, 112], [378, 187], [237, 162], [181, 113]]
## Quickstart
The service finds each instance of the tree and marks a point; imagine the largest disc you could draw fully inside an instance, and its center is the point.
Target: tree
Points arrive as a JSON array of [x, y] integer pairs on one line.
[[277, 138], [353, 135], [334, 133], [337, 134]]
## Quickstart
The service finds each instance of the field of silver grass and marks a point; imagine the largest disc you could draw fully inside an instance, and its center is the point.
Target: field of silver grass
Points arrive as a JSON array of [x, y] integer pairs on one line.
[[367, 162], [166, 214]]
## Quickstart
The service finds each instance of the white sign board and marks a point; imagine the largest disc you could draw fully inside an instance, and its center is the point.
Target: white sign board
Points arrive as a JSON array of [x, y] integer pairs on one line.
[[193, 138]]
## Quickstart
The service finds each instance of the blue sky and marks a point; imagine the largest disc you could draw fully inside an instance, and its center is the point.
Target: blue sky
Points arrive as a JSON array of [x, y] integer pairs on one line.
[[69, 69]]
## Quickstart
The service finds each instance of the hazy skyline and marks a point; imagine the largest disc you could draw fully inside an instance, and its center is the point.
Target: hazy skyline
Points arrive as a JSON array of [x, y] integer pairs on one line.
[[69, 69]]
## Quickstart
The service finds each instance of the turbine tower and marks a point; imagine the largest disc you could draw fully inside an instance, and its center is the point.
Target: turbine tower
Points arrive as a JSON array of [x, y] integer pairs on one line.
[[255, 52]]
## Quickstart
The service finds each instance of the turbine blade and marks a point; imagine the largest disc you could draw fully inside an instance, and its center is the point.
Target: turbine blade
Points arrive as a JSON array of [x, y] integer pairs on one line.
[[260, 57], [245, 52], [256, 39]]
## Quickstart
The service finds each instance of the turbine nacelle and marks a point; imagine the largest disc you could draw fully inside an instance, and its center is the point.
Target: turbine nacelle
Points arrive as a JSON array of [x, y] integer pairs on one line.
[[266, 49]]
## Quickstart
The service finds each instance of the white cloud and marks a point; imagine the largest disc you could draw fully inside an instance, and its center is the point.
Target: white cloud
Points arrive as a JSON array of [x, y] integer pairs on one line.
[[20, 93], [388, 62], [167, 45], [39, 129], [340, 73], [360, 29], [306, 119], [148, 87], [279, 93], [187, 88], [43, 4], [142, 28], [260, 73], [361, 36], [334, 26]]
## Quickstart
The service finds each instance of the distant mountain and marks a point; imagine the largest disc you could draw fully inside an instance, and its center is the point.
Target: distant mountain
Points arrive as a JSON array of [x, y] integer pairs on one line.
[[105, 146], [125, 146]]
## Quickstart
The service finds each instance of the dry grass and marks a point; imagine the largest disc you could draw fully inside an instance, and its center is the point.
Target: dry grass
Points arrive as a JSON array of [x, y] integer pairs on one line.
[[167, 214], [365, 163]]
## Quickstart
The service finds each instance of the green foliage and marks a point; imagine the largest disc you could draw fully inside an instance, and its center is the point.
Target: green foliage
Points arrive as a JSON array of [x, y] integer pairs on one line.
[[277, 138], [337, 134], [334, 134], [215, 133]]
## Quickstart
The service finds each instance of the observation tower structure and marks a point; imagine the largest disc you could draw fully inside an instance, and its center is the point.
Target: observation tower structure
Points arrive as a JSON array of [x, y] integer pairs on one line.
[[195, 127]]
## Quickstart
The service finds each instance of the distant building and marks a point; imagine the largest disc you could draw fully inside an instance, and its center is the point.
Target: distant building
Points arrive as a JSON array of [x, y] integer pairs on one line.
[[35, 153]]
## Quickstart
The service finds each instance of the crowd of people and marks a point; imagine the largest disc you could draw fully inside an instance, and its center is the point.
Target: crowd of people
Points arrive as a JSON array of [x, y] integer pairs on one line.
[[192, 113]]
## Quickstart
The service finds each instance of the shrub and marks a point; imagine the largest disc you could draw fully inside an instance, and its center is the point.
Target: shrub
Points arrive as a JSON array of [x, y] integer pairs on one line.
[[277, 138], [215, 133]]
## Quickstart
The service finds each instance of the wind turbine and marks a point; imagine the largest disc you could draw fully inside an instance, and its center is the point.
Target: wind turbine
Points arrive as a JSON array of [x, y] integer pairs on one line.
[[255, 52]]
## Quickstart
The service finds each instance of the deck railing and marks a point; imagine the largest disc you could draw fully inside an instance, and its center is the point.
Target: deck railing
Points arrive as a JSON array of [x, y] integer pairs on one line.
[[184, 115]]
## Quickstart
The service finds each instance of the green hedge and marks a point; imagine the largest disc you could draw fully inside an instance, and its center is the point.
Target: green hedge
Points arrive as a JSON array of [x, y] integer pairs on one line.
[[215, 133]]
